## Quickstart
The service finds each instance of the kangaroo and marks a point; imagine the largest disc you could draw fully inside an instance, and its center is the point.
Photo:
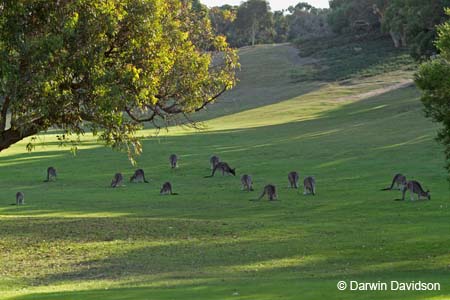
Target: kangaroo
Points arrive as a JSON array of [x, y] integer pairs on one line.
[[138, 176], [214, 160], [293, 178], [51, 174], [167, 189], [414, 187], [309, 185], [173, 159], [399, 181], [271, 192], [20, 198], [224, 167], [247, 183], [117, 180]]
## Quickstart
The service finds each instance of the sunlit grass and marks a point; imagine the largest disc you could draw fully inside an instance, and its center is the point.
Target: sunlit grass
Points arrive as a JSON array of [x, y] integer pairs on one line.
[[76, 238]]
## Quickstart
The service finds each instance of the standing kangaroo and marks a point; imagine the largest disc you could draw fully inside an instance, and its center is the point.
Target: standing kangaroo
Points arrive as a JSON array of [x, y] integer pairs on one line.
[[117, 180], [213, 161], [399, 181], [414, 187], [247, 183], [167, 189], [51, 174], [138, 176], [20, 198], [224, 167], [293, 178], [309, 186], [173, 159]]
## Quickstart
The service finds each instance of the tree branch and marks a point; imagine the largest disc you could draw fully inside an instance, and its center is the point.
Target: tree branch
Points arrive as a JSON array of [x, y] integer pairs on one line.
[[14, 135]]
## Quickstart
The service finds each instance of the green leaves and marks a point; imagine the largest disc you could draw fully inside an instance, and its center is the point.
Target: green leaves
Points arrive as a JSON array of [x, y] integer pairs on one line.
[[433, 79], [113, 64]]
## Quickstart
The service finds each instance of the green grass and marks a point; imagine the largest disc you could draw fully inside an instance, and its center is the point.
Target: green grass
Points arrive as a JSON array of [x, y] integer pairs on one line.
[[78, 239]]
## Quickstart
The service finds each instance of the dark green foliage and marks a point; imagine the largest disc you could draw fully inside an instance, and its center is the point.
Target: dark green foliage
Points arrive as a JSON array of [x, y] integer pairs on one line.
[[433, 79], [343, 58], [410, 23]]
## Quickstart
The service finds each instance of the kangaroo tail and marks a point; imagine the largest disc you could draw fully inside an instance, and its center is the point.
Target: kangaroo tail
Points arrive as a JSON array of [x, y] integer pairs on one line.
[[262, 195], [393, 182]]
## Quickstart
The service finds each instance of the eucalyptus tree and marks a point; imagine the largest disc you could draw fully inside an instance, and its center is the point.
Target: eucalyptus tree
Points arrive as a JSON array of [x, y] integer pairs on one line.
[[106, 66]]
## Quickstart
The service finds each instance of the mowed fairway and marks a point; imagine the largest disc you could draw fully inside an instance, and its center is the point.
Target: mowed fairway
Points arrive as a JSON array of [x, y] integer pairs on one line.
[[76, 238]]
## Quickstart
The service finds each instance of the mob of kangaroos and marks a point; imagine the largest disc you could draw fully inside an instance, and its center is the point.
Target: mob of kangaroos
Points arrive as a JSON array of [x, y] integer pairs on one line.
[[399, 182]]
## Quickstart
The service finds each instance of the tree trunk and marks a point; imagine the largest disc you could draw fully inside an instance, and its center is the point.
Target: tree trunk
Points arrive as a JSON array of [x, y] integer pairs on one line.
[[396, 39], [253, 32], [403, 38]]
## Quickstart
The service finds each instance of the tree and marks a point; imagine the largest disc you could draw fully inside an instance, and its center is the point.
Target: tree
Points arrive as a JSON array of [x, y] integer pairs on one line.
[[254, 19], [306, 22], [222, 19], [433, 80], [280, 26], [413, 23], [106, 66]]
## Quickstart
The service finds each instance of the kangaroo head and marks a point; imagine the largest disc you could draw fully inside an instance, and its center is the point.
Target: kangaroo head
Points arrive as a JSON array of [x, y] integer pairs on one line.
[[233, 171]]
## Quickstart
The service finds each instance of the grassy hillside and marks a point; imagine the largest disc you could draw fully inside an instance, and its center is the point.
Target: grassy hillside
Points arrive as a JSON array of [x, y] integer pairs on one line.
[[78, 239]]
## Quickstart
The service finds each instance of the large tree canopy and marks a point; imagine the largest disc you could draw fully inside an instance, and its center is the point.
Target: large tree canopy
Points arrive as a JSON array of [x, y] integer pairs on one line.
[[433, 79], [106, 66]]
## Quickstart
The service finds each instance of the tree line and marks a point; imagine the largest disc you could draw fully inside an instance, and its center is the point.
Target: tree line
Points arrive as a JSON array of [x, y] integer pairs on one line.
[[409, 23]]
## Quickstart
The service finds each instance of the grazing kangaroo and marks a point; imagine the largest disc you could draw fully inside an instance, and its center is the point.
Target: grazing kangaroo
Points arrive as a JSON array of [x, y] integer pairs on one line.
[[399, 181], [414, 187], [167, 189], [173, 159], [271, 192], [138, 176], [309, 185], [117, 180], [20, 198], [224, 167], [247, 183], [51, 174], [213, 161], [293, 178]]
